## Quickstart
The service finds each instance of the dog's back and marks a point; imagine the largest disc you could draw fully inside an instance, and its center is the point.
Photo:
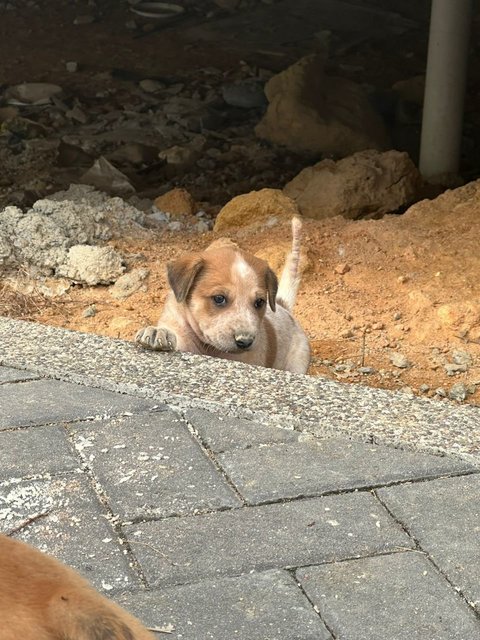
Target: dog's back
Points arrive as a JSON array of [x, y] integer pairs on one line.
[[41, 599]]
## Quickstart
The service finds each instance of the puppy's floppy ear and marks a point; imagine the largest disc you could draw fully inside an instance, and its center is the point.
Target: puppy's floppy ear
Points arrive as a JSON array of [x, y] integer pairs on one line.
[[271, 282], [182, 273]]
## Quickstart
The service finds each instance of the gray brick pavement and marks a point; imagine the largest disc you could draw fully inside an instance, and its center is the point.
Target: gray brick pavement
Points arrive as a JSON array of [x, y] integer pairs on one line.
[[258, 606], [45, 401], [399, 596], [150, 466], [270, 473], [35, 451], [291, 534], [67, 520], [71, 487], [444, 517], [223, 433]]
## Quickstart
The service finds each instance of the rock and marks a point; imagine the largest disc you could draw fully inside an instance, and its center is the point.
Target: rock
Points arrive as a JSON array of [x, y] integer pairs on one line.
[[151, 86], [202, 226], [129, 283], [71, 66], [248, 94], [37, 93], [176, 202], [90, 311], [77, 114], [461, 357], [424, 388], [134, 153], [453, 368], [366, 183], [104, 176], [92, 265], [41, 237], [440, 391], [183, 157], [342, 268], [458, 392], [366, 370], [255, 207], [313, 114], [400, 361]]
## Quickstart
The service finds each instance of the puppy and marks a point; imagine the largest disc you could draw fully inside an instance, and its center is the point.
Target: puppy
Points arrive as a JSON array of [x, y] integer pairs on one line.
[[229, 304], [41, 599]]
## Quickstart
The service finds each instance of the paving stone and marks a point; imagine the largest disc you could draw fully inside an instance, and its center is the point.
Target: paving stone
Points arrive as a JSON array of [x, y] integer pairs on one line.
[[8, 374], [63, 517], [318, 466], [444, 516], [149, 465], [290, 534], [224, 433], [394, 597], [249, 607], [39, 450], [44, 401]]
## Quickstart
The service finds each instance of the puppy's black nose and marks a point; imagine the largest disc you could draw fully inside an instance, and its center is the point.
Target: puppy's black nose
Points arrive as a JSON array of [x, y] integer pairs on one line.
[[243, 342]]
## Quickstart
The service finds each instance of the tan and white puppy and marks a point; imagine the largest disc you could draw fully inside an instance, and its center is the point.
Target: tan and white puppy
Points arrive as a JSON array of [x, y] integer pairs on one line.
[[229, 304], [42, 599]]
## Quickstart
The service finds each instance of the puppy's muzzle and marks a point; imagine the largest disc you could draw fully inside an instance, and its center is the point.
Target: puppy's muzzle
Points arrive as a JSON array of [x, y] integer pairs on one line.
[[244, 341]]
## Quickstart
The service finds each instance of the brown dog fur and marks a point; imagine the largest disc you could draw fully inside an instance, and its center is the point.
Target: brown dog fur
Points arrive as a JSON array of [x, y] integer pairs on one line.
[[41, 599]]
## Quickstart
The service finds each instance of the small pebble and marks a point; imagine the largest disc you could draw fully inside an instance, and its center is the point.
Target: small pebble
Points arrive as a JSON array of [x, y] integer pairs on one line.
[[452, 368], [366, 370], [407, 390], [71, 66], [342, 268], [90, 311], [461, 357], [441, 392], [400, 361], [424, 388], [458, 392]]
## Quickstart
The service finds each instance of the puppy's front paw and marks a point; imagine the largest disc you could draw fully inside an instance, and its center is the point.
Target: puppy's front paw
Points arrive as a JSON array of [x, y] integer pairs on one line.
[[156, 338]]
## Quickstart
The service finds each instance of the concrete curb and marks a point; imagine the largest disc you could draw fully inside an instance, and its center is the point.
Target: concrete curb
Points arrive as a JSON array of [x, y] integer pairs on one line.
[[317, 405]]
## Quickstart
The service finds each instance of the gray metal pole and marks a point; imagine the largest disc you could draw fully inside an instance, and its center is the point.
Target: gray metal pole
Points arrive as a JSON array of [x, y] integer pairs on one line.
[[445, 87]]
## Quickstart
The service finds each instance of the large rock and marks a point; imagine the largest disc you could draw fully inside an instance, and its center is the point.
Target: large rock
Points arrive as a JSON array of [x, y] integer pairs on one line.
[[177, 202], [49, 238], [92, 265], [254, 208], [313, 114], [367, 183]]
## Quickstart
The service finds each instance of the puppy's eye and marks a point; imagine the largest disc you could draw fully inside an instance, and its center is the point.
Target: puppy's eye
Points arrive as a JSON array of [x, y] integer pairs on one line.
[[219, 300], [259, 302]]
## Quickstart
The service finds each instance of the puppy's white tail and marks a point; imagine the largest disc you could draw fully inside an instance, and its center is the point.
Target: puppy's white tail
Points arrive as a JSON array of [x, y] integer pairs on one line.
[[290, 278]]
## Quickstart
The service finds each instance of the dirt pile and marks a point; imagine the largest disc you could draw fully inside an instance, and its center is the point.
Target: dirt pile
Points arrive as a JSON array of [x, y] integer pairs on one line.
[[391, 303]]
